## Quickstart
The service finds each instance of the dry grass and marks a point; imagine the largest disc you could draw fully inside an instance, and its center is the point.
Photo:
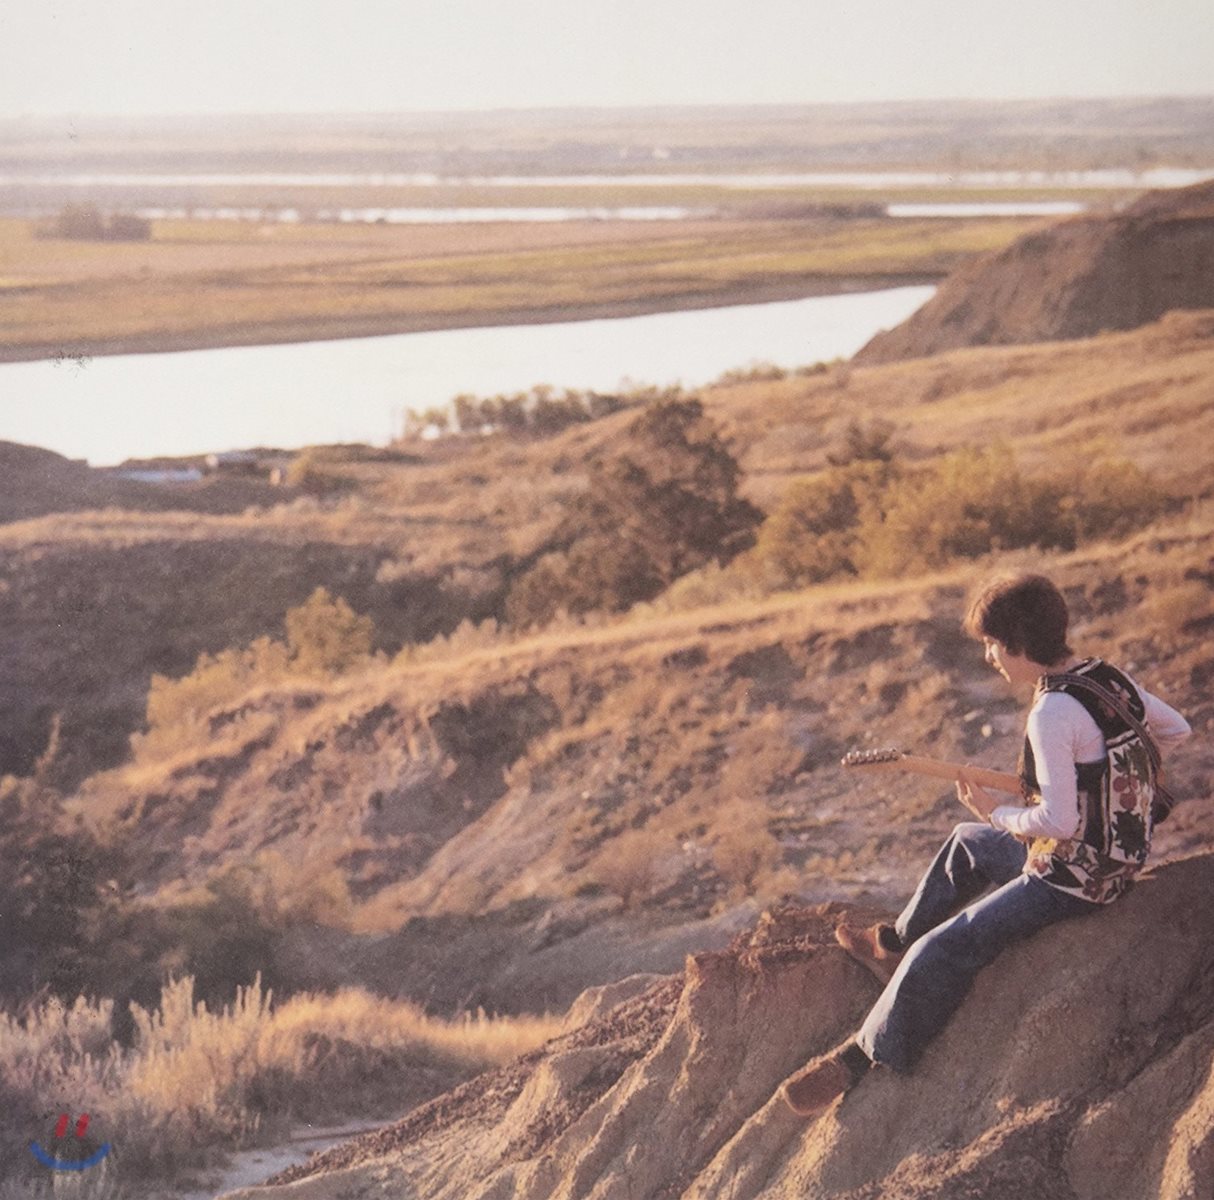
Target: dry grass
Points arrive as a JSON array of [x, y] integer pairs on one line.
[[228, 288], [196, 1082]]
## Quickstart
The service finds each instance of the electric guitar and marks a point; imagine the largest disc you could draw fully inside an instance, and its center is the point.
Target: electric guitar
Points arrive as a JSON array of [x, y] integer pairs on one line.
[[890, 759]]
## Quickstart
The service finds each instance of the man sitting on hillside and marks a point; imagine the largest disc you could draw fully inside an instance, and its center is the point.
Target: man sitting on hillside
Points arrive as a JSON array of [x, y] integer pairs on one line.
[[1089, 769]]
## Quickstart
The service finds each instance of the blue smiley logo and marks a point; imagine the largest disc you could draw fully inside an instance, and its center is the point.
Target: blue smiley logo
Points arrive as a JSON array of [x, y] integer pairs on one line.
[[69, 1164]]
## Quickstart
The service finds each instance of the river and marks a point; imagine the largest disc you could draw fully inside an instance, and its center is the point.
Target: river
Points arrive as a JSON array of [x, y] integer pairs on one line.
[[357, 390], [1109, 177]]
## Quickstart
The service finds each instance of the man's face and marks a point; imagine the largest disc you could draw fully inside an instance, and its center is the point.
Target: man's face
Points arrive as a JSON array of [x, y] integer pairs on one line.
[[1015, 668]]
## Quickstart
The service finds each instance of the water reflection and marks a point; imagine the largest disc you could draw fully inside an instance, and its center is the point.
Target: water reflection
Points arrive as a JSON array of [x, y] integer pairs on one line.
[[1107, 177], [108, 409], [423, 216]]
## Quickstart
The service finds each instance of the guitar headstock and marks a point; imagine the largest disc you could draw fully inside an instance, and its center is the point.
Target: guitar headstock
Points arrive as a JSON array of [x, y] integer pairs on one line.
[[873, 758]]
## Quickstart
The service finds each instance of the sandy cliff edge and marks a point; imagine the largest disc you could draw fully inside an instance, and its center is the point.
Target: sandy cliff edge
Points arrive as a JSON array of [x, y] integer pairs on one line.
[[1081, 1067]]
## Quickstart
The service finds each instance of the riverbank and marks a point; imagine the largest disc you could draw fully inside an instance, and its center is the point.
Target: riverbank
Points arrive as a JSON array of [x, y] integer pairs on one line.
[[358, 390], [202, 285], [333, 328]]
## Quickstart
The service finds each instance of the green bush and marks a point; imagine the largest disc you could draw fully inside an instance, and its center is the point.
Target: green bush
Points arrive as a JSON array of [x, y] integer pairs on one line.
[[874, 517], [326, 636], [966, 504], [811, 535], [663, 503]]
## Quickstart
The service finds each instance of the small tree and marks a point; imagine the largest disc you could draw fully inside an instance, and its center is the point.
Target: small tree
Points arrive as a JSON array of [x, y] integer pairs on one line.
[[665, 503], [326, 636], [811, 534], [82, 222], [864, 443]]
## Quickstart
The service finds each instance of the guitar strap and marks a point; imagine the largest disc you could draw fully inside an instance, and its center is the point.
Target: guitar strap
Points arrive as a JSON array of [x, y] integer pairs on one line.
[[1164, 798]]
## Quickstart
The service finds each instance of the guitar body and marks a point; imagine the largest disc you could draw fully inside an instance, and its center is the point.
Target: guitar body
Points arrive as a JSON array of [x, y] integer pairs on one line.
[[899, 760]]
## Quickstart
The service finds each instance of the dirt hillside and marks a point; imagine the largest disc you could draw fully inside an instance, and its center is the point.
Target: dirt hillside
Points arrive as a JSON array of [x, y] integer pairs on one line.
[[425, 542], [39, 481], [1070, 280], [520, 819], [94, 603], [670, 1093]]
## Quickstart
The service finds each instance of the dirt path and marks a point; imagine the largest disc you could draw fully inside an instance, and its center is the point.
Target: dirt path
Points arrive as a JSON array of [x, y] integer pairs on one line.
[[250, 1167]]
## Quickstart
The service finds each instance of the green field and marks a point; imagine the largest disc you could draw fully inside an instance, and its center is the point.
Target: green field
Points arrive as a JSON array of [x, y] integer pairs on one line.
[[224, 283]]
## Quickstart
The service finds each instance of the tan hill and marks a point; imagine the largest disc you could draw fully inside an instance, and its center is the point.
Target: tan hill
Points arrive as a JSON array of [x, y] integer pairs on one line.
[[37, 482], [1071, 280], [422, 545], [94, 603], [518, 818], [515, 816], [1080, 1067]]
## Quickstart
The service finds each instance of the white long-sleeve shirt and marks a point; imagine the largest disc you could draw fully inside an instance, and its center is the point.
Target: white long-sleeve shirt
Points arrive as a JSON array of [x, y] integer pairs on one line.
[[1062, 733]]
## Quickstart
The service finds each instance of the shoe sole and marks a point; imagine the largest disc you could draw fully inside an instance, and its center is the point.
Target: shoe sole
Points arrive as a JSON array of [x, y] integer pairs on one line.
[[882, 970]]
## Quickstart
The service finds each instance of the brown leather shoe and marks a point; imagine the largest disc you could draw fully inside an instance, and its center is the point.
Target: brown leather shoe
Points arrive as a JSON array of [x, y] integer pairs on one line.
[[818, 1084], [864, 945]]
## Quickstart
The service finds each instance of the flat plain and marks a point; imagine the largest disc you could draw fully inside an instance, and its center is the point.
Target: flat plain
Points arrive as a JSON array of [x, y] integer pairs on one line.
[[214, 283], [200, 283]]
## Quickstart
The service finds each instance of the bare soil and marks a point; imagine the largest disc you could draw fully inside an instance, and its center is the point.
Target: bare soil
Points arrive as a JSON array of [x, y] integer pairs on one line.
[[674, 1094], [1074, 280]]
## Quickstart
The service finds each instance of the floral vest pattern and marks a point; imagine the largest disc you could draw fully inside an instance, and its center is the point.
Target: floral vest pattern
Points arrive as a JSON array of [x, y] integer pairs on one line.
[[1115, 798]]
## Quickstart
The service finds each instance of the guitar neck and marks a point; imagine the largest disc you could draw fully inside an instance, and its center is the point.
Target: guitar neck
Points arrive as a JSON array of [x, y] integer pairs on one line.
[[897, 760], [999, 781]]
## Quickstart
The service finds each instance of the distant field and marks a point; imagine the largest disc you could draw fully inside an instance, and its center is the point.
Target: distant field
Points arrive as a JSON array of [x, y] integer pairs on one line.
[[226, 283], [954, 135]]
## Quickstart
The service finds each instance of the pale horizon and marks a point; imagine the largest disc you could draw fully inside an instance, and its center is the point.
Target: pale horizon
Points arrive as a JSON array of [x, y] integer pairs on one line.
[[621, 107], [145, 58]]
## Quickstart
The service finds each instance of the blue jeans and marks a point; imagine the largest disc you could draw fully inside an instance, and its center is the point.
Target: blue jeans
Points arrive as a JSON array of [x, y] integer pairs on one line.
[[947, 951]]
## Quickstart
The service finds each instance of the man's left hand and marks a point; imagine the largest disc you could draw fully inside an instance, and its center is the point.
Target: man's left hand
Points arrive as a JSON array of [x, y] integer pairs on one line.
[[976, 798]]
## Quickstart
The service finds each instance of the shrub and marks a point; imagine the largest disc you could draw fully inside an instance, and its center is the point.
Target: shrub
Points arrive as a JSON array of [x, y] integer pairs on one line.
[[314, 471], [84, 222], [174, 705], [79, 221], [326, 636], [223, 935], [539, 411], [1114, 498], [867, 515], [126, 227], [52, 892], [811, 535], [864, 443], [197, 1079], [745, 849], [758, 372], [664, 503], [966, 504], [1170, 611], [627, 866]]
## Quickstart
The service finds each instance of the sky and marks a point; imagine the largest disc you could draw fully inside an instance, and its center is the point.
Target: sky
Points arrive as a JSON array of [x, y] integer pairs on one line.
[[145, 57]]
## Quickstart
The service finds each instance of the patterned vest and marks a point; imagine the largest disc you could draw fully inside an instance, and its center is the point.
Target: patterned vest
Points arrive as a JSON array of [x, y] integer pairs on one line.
[[1115, 798]]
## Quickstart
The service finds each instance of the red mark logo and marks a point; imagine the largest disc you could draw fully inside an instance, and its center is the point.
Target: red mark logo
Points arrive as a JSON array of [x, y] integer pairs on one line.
[[69, 1164]]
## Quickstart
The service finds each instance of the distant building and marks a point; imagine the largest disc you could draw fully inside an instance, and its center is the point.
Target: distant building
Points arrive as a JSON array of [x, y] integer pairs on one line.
[[259, 464], [234, 462]]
